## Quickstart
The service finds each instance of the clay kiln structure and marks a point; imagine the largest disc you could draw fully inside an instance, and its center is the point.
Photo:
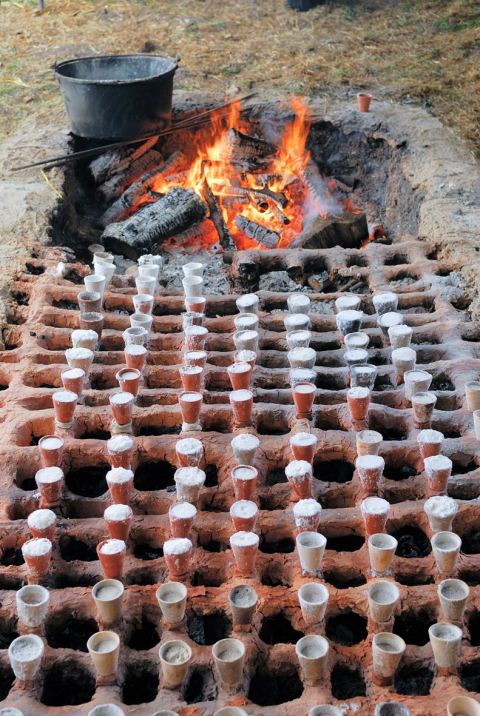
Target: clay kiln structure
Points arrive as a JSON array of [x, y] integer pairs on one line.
[[433, 300]]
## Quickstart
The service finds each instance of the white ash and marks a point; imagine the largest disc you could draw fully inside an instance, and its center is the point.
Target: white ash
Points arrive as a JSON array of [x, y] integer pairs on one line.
[[119, 475], [178, 545]]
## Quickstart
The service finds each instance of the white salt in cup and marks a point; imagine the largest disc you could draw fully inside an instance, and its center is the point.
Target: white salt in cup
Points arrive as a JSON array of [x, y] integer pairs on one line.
[[416, 381], [387, 320], [368, 442], [403, 359], [106, 710], [385, 302], [383, 597], [347, 303], [32, 605], [298, 303], [102, 267], [172, 600], [135, 335], [312, 653], [355, 357], [297, 322], [446, 548], [440, 510], [84, 338], [313, 599], [349, 321], [188, 484], [229, 658], [141, 320], [193, 268], [310, 549], [246, 340], [95, 282], [246, 322], [244, 447], [453, 595], [446, 643], [175, 656], [25, 654], [381, 550], [299, 339], [146, 285], [248, 303], [302, 358], [104, 649], [307, 515], [400, 336], [356, 340], [387, 652], [192, 286]]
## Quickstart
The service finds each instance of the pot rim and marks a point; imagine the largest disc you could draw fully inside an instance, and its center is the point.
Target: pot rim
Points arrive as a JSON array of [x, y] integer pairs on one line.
[[58, 67]]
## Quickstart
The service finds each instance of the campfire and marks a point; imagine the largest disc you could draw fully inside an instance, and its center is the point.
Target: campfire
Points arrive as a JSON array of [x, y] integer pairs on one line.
[[230, 184]]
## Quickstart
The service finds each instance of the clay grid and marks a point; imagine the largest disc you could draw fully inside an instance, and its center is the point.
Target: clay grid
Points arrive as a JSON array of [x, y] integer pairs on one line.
[[30, 414]]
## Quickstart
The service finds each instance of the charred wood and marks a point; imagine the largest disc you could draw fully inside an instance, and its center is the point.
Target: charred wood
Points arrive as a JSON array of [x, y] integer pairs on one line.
[[120, 209], [261, 234], [118, 183], [347, 230], [247, 152], [224, 237], [118, 161], [171, 214]]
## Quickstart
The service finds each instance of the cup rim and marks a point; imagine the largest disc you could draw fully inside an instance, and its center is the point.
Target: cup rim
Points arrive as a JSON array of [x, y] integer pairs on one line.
[[105, 583], [175, 585], [169, 643], [314, 586], [395, 642], [320, 539], [383, 535], [31, 638], [436, 630], [251, 591], [33, 587], [98, 637], [315, 639], [232, 642], [458, 582]]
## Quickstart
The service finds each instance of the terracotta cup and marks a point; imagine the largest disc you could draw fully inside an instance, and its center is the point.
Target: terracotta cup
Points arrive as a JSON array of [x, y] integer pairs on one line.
[[463, 706], [383, 597], [391, 708], [358, 400], [430, 442], [178, 553], [129, 380], [240, 376], [181, 517], [248, 303], [446, 548], [307, 515], [242, 407], [325, 710], [244, 515], [440, 511], [73, 380], [195, 337], [368, 442], [108, 597], [244, 478], [25, 654], [195, 358], [50, 481], [120, 449], [92, 321], [64, 404], [89, 301], [121, 405], [400, 336], [446, 643], [188, 484], [190, 406], [32, 605], [300, 475], [135, 356], [375, 512], [438, 469], [423, 405], [195, 304], [370, 471], [381, 550], [51, 450], [385, 302], [303, 446], [416, 381], [111, 554], [364, 101], [244, 447], [191, 377], [118, 519], [245, 548], [104, 649], [189, 452], [108, 710], [143, 303], [303, 398], [37, 554], [120, 484], [472, 393], [43, 523]]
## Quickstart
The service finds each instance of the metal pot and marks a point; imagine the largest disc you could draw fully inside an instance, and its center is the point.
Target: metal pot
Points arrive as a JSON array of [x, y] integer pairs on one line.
[[117, 96]]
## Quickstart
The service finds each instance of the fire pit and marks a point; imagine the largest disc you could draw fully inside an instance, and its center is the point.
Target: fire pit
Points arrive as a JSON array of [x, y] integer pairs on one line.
[[237, 636]]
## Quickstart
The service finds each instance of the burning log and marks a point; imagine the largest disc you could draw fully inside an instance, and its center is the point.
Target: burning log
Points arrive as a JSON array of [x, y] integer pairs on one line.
[[248, 152], [257, 232], [118, 161], [111, 188], [347, 230], [120, 209], [151, 224], [217, 219]]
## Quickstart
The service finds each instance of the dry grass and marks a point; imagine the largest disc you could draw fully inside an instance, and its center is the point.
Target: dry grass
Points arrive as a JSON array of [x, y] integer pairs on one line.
[[425, 52]]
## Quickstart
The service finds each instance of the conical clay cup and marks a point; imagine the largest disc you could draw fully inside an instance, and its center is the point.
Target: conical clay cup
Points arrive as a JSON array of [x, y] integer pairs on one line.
[[391, 708], [229, 658], [25, 654], [32, 605], [446, 642], [310, 550], [325, 710], [453, 595], [312, 653], [172, 600], [383, 597], [446, 548], [175, 656], [463, 706], [313, 600], [243, 603], [104, 649], [106, 710], [381, 550], [108, 596], [387, 651]]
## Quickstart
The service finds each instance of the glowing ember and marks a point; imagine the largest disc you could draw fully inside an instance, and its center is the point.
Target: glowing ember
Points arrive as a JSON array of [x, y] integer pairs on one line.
[[272, 186]]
